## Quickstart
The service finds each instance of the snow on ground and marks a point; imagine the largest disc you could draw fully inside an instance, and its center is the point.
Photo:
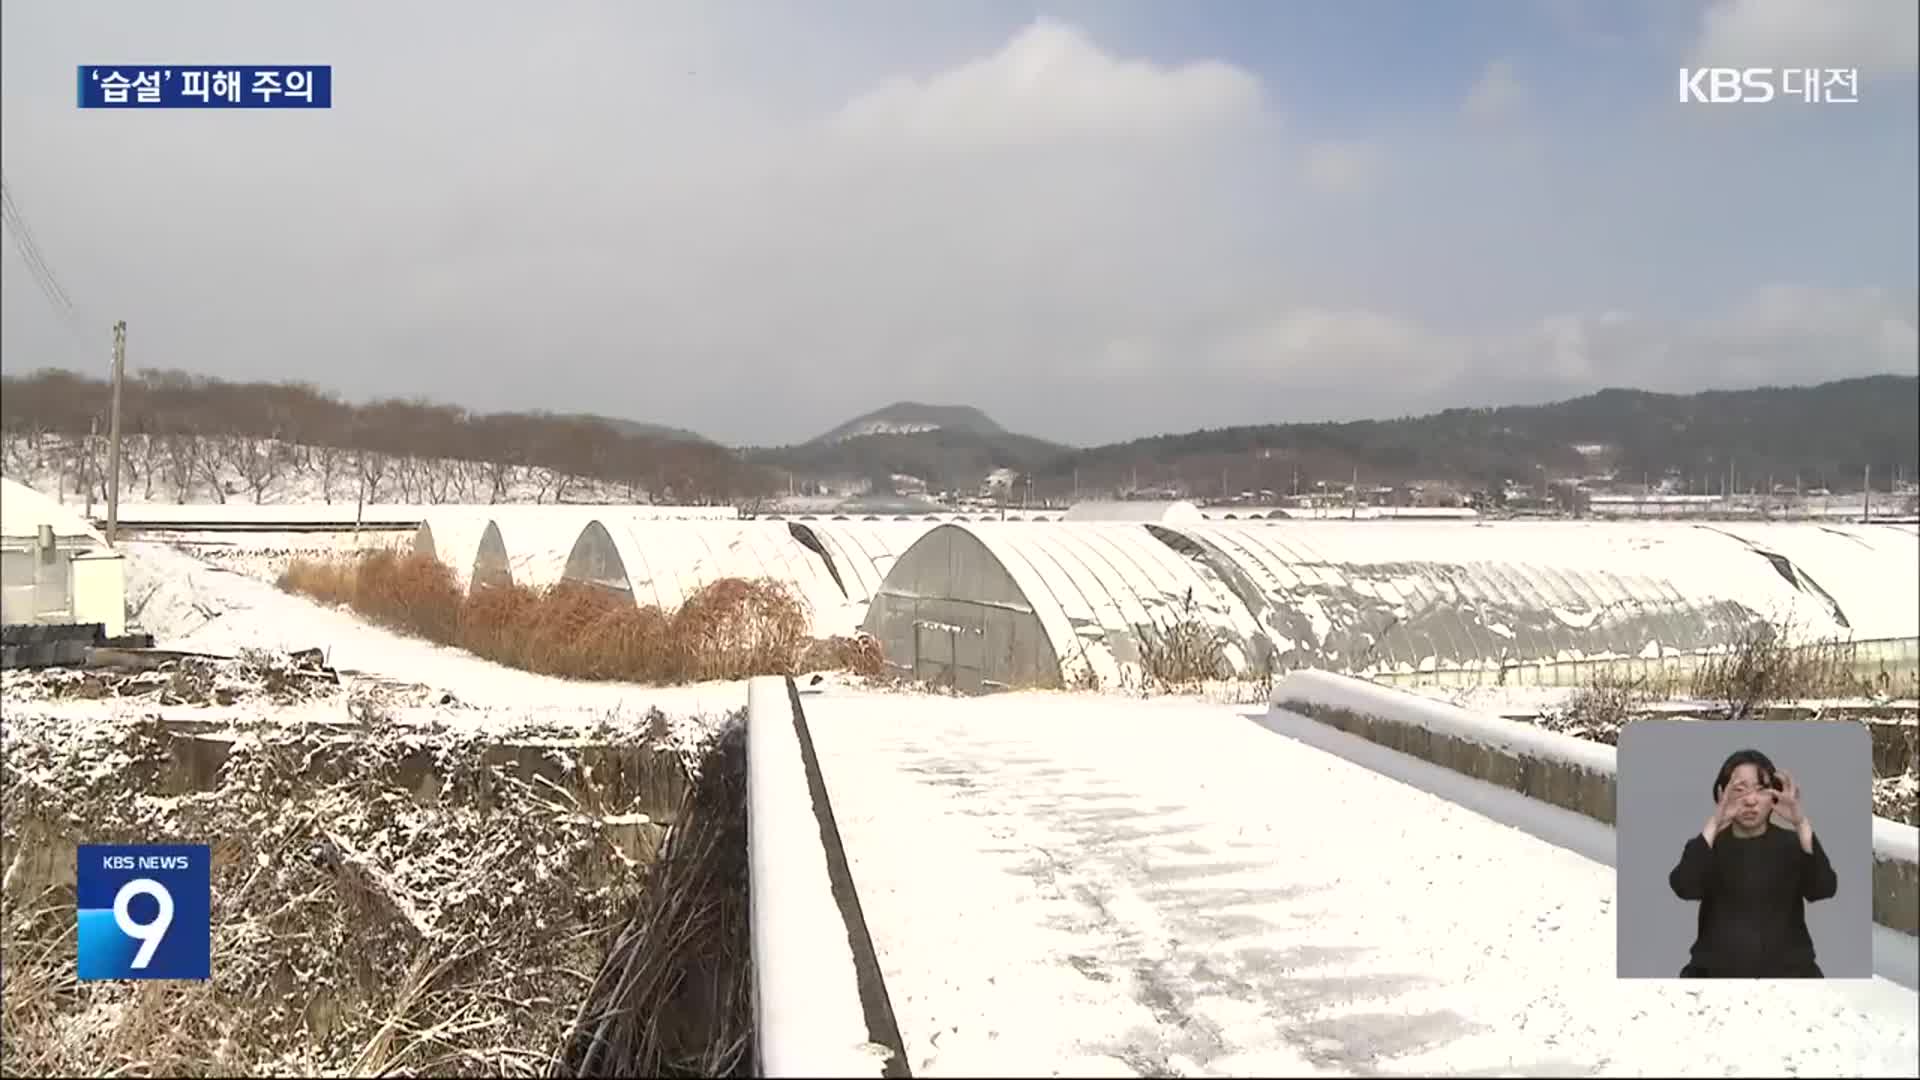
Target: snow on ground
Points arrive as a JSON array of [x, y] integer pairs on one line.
[[265, 555], [1070, 885], [190, 605]]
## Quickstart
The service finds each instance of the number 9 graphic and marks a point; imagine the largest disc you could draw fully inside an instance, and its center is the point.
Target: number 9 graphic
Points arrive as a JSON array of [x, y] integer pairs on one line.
[[150, 934]]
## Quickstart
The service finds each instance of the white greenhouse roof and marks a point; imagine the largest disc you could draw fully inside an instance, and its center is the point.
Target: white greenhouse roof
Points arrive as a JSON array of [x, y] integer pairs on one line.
[[1872, 572], [453, 537], [1416, 596], [665, 562], [1095, 587], [863, 551], [1134, 510], [531, 548]]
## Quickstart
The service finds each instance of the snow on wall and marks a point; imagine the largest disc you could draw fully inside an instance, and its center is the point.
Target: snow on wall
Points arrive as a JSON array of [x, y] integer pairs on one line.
[[23, 510], [454, 537], [1871, 572], [1426, 596], [1098, 591], [1134, 510], [808, 1016], [1892, 841], [1326, 689], [662, 563]]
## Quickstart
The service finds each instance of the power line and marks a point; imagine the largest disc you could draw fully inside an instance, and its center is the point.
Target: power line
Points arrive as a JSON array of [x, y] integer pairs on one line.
[[36, 261], [41, 271]]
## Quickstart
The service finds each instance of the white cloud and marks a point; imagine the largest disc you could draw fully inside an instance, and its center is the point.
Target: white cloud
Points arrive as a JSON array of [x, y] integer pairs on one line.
[[1776, 333], [1498, 92], [1879, 36], [1344, 167], [1050, 82]]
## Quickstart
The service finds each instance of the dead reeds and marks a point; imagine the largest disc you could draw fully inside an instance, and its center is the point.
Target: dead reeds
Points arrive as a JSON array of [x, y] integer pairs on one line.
[[675, 995], [729, 629]]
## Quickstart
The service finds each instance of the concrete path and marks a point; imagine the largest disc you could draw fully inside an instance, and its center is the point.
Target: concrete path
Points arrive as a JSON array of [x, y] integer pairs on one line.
[[1066, 885]]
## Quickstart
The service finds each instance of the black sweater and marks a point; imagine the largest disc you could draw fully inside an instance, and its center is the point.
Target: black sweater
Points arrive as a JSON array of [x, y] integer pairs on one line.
[[1753, 922]]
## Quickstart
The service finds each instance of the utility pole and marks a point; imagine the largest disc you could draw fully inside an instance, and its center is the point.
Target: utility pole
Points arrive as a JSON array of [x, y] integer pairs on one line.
[[113, 432], [1353, 500], [86, 462], [1866, 493]]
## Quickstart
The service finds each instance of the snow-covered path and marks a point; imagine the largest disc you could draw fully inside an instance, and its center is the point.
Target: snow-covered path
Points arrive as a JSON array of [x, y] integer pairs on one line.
[[1080, 886]]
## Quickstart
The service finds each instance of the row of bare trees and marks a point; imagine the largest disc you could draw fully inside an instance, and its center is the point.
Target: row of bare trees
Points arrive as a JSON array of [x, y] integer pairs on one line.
[[195, 432]]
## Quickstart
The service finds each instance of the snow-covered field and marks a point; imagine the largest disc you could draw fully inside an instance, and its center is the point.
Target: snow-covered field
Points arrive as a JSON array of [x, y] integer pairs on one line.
[[191, 605], [1076, 886]]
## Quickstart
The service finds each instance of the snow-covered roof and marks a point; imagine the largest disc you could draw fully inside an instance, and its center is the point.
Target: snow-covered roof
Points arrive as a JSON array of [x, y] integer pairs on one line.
[[664, 562], [23, 510], [453, 537], [1422, 596], [1871, 572], [861, 552], [1097, 590], [526, 549], [1134, 510]]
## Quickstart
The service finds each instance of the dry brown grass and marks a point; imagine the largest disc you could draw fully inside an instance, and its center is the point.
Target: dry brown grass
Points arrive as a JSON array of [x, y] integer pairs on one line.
[[1763, 669], [675, 995], [730, 629], [1187, 653]]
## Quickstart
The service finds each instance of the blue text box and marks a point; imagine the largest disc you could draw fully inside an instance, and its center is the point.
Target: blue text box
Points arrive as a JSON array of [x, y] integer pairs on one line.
[[206, 86]]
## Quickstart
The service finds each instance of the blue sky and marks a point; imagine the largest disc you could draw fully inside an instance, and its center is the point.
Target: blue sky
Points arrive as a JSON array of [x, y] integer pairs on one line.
[[1094, 220]]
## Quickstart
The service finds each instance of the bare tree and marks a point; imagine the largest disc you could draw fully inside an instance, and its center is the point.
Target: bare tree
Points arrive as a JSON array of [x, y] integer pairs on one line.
[[258, 461], [467, 476], [406, 476], [332, 462], [182, 468], [372, 467], [437, 480], [209, 463], [500, 475]]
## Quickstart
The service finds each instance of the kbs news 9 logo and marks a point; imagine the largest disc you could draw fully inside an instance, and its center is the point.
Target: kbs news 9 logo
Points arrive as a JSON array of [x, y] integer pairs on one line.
[[145, 911]]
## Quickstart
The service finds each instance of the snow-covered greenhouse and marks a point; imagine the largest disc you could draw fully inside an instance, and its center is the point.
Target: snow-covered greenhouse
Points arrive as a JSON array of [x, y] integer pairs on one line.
[[984, 606]]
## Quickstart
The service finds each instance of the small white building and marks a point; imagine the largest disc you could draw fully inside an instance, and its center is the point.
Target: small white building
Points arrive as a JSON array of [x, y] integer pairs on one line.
[[55, 567]]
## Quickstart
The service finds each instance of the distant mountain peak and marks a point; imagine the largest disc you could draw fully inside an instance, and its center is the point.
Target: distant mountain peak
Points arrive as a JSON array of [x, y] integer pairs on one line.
[[911, 418]]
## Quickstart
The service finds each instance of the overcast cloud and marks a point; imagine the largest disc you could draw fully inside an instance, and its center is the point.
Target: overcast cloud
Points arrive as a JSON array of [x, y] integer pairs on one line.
[[1094, 222]]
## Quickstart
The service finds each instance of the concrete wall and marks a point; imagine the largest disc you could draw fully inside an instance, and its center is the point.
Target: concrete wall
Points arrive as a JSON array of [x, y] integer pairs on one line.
[[1568, 772], [100, 590], [811, 1017]]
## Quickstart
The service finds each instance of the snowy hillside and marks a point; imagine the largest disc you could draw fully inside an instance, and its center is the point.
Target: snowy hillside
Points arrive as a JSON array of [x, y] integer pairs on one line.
[[238, 469]]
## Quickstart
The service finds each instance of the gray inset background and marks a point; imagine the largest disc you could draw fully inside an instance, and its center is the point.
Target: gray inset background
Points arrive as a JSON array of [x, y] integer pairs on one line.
[[1665, 779]]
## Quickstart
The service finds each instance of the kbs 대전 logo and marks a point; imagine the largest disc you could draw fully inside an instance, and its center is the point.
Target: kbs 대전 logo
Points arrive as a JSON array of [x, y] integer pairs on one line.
[[145, 911], [1757, 86]]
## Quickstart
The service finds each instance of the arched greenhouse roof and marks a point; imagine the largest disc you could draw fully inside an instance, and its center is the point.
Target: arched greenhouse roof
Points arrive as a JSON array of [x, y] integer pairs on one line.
[[662, 563], [1098, 590], [1415, 596]]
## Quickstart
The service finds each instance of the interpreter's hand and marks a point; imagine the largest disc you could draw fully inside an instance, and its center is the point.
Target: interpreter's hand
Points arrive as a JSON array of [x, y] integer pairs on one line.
[[1786, 802], [1723, 813]]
